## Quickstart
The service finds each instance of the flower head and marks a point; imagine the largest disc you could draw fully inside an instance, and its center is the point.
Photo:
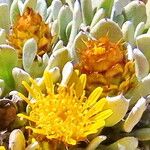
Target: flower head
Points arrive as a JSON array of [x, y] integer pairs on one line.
[[61, 115], [2, 148], [30, 25], [106, 65]]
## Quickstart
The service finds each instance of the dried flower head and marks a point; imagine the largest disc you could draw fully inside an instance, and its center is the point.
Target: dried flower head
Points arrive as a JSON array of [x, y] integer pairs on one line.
[[30, 25], [106, 65]]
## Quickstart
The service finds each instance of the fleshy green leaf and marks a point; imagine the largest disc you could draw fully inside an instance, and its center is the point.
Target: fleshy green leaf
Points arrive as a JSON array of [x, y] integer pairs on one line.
[[106, 27], [139, 29], [107, 5], [29, 3], [2, 36], [8, 60], [70, 3], [58, 45], [141, 64], [58, 58], [143, 44], [148, 14], [135, 11], [56, 6], [95, 142], [2, 86], [76, 22], [135, 115], [87, 12], [116, 104], [64, 17], [80, 45], [100, 14], [29, 53], [142, 134], [41, 8], [66, 73], [16, 140], [128, 32], [68, 29], [14, 11], [4, 17], [142, 89], [129, 143], [20, 75]]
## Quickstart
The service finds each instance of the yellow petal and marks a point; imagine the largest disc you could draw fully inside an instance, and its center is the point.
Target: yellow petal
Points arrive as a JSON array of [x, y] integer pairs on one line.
[[93, 97]]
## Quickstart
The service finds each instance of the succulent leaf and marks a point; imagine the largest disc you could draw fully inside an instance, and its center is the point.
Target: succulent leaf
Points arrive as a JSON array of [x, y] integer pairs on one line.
[[107, 5], [129, 143], [107, 27], [139, 29], [58, 45], [49, 2], [116, 104], [58, 58], [136, 12], [79, 43], [2, 36], [2, 86], [41, 8], [29, 53], [76, 21], [95, 142], [118, 8], [135, 115], [148, 14], [64, 17], [141, 64], [8, 60], [143, 44], [49, 17], [55, 77], [16, 140], [66, 73], [29, 3], [14, 11], [20, 75], [68, 29], [70, 3], [55, 29], [128, 32], [119, 19], [100, 14], [56, 6], [87, 12], [4, 19], [141, 90], [20, 6], [33, 146], [129, 51], [142, 134]]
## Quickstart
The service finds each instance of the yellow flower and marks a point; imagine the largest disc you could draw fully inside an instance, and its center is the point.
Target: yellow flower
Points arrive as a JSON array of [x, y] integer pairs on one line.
[[30, 25], [61, 115], [2, 148], [106, 65]]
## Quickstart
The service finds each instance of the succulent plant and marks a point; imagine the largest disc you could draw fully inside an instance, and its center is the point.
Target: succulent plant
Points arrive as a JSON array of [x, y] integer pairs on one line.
[[85, 69], [25, 41]]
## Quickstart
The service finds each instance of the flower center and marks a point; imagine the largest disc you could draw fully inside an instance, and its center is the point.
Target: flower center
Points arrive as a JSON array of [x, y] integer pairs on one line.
[[106, 65], [30, 25]]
